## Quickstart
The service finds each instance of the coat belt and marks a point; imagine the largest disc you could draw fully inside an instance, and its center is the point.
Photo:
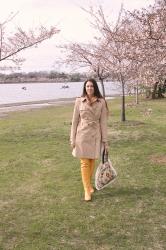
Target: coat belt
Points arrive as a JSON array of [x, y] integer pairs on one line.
[[96, 122]]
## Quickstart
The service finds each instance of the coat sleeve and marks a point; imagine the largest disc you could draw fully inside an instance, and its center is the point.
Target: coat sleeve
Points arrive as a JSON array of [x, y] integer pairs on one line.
[[75, 121], [103, 122]]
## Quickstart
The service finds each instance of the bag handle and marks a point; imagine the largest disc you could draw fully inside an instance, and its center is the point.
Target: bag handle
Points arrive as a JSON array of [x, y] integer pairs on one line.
[[104, 156]]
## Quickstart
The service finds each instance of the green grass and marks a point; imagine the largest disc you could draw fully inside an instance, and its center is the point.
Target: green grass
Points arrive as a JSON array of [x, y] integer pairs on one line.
[[41, 194]]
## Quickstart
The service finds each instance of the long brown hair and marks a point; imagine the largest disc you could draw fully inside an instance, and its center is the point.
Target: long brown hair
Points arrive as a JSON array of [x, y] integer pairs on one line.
[[96, 90]]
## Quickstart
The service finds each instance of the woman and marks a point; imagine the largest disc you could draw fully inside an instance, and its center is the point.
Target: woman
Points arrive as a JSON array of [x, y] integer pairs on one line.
[[89, 131]]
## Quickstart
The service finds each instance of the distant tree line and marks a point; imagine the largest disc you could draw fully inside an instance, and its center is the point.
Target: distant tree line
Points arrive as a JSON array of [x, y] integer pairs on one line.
[[41, 76]]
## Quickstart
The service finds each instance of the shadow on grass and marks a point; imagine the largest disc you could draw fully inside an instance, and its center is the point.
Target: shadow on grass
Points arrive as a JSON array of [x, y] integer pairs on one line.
[[124, 191]]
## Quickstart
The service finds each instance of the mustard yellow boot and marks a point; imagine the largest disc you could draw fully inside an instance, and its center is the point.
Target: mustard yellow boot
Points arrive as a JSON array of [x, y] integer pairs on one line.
[[92, 166], [85, 173]]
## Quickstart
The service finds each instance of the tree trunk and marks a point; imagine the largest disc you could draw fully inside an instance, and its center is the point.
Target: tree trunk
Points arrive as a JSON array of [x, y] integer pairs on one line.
[[102, 86], [123, 116], [154, 90], [160, 91]]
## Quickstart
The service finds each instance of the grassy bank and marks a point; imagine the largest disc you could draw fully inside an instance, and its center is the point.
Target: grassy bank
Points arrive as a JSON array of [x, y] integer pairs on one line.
[[41, 195]]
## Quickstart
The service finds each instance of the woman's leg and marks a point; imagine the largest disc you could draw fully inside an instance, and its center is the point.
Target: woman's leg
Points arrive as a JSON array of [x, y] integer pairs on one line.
[[86, 176]]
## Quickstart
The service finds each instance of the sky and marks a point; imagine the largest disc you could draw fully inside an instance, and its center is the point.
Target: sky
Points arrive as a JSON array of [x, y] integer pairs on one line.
[[67, 15]]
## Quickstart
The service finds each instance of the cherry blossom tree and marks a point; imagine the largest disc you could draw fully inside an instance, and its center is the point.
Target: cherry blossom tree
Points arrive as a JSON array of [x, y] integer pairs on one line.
[[132, 51], [88, 56], [116, 48], [150, 44], [11, 43]]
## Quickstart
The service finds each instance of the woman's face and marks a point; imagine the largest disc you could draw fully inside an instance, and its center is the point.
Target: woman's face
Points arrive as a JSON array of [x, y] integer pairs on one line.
[[89, 89]]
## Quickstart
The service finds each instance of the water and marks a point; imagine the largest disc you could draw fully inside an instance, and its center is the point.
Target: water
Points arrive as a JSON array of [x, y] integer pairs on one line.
[[29, 92]]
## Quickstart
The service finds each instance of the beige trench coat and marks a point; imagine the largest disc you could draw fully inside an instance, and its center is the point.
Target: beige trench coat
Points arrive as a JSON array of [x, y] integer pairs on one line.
[[89, 128]]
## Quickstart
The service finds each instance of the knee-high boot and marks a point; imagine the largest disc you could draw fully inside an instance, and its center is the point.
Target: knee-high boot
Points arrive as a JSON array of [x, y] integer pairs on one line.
[[92, 166], [85, 172]]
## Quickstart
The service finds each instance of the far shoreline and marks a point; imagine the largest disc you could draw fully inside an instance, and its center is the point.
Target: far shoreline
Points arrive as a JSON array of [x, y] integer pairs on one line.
[[51, 101], [34, 82], [42, 81], [24, 106]]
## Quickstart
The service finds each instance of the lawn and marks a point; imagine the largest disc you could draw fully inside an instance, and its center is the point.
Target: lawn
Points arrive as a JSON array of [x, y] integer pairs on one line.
[[41, 194]]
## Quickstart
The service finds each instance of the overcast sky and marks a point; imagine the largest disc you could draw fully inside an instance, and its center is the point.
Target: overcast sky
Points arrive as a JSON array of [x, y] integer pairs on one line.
[[67, 15]]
